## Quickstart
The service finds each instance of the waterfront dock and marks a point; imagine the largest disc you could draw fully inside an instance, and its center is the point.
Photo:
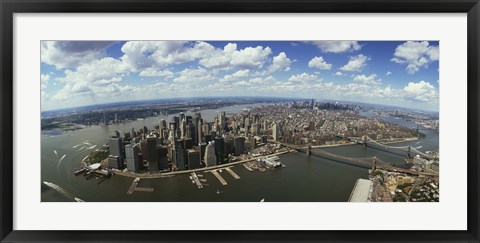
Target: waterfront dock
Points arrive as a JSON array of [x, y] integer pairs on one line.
[[219, 177], [196, 180], [134, 187], [361, 191], [248, 168], [229, 170]]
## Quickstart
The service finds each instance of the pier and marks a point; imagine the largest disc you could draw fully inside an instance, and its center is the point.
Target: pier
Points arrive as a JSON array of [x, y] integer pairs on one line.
[[219, 177], [196, 180], [248, 168], [134, 187], [229, 170]]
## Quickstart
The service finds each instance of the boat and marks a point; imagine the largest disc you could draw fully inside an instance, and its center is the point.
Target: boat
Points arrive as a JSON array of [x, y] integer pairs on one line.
[[272, 162], [79, 200], [263, 200]]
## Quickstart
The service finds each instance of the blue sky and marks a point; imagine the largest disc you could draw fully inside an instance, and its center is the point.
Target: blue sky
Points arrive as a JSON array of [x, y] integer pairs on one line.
[[400, 73]]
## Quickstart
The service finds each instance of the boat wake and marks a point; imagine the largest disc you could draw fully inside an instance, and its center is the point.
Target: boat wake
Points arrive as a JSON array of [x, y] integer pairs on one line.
[[60, 160], [62, 191]]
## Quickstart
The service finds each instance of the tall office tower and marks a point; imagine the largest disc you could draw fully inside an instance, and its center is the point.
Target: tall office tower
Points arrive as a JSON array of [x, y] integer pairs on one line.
[[222, 118], [105, 120], [265, 126], [253, 141], [255, 129], [115, 146], [152, 156], [199, 128], [206, 129], [162, 154], [202, 147], [145, 130], [131, 154], [191, 132], [171, 136], [188, 143], [193, 159], [239, 144], [210, 158], [133, 133], [275, 131], [312, 104], [181, 158], [220, 150], [182, 124], [207, 138], [116, 118], [114, 162], [163, 124], [196, 122], [256, 118], [229, 148]]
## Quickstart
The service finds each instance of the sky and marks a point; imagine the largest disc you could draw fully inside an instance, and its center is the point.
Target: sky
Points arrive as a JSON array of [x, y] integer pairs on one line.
[[398, 73]]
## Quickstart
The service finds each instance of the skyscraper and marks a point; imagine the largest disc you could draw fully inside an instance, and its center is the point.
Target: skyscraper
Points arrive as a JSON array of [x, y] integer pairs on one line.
[[220, 150], [131, 154], [239, 144], [162, 152], [275, 131], [210, 158], [152, 156], [115, 146], [193, 159]]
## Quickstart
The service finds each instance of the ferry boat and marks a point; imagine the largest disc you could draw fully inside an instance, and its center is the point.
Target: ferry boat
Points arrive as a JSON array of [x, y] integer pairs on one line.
[[273, 162]]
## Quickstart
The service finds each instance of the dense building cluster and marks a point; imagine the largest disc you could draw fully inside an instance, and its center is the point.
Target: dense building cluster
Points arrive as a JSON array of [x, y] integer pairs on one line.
[[189, 142]]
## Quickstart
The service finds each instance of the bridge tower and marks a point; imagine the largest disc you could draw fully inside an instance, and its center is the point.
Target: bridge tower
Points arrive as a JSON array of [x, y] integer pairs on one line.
[[309, 147], [374, 163], [409, 152], [364, 140]]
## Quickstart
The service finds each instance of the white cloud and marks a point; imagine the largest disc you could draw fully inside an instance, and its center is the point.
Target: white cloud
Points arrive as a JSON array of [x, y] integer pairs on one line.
[[421, 91], [388, 73], [153, 72], [280, 63], [318, 62], [304, 77], [416, 55], [339, 73], [44, 78], [356, 63], [337, 46], [229, 57], [237, 75], [194, 76], [66, 54], [372, 79]]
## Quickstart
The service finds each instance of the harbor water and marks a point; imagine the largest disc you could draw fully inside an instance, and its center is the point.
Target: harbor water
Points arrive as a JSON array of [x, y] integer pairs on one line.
[[304, 179]]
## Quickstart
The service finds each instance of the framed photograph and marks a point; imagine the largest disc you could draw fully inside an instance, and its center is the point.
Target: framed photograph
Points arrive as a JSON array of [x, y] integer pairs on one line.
[[239, 121]]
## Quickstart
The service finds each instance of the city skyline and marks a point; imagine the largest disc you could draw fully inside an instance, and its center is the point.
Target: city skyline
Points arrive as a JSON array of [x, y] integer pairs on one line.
[[82, 73]]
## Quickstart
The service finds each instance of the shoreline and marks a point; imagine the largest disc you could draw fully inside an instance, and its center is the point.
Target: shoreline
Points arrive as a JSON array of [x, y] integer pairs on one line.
[[169, 174]]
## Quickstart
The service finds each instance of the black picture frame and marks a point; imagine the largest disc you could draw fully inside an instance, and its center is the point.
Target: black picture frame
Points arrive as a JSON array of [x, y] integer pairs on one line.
[[9, 7]]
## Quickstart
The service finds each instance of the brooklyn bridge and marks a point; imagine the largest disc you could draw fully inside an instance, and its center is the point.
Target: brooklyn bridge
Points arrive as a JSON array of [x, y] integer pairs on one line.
[[368, 162]]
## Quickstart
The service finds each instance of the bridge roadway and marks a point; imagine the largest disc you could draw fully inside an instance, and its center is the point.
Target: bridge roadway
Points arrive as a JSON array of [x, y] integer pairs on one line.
[[361, 162]]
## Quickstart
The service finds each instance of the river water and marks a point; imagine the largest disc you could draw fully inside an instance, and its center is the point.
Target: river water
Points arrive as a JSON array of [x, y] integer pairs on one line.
[[304, 179]]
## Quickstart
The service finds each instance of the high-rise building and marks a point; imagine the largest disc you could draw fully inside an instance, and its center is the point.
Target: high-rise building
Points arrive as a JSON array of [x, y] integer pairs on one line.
[[229, 147], [105, 120], [163, 124], [275, 131], [162, 154], [115, 146], [202, 148], [193, 159], [115, 162], [131, 154], [210, 158], [181, 158], [239, 144], [152, 156], [220, 150]]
